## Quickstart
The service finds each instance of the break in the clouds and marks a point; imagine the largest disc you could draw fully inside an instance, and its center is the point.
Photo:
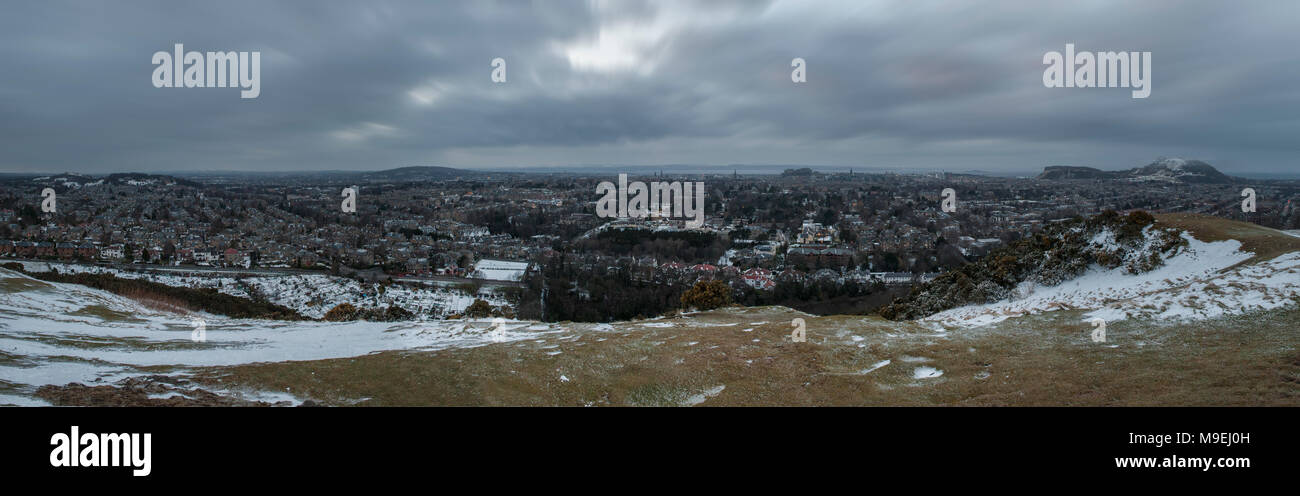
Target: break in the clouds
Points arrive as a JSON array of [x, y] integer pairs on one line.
[[895, 84]]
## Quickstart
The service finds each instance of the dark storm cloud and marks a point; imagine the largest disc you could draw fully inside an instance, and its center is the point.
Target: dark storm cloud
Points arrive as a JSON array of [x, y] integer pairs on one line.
[[370, 85]]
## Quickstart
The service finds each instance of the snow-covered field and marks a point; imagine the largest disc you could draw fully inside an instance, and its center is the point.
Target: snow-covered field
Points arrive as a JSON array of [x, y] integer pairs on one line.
[[310, 294], [54, 333], [1197, 283], [500, 270]]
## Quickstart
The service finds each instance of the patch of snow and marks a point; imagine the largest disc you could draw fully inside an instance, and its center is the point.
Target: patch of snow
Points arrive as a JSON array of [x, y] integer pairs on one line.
[[924, 372], [704, 395], [875, 367]]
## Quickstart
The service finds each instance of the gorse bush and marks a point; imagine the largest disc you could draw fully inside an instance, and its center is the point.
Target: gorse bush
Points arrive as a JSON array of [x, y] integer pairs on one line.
[[344, 312], [1061, 252], [341, 313], [707, 295], [479, 309]]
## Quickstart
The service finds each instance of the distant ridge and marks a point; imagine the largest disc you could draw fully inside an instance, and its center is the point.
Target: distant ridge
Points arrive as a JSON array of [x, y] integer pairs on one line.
[[1175, 170], [1073, 172], [71, 180], [424, 173], [400, 174]]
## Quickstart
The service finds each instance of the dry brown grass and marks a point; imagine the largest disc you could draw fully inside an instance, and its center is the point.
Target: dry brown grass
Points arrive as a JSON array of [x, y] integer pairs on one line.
[[155, 301], [20, 284], [1040, 360], [1264, 242]]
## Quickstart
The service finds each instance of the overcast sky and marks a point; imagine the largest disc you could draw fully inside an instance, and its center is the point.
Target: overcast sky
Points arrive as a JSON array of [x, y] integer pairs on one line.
[[375, 85]]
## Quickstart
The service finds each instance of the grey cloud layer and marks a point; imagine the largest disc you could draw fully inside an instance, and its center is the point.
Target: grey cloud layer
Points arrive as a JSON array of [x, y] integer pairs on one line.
[[370, 85]]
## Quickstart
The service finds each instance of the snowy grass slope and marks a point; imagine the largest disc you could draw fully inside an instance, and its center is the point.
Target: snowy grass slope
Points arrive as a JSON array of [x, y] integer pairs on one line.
[[1208, 279], [312, 295], [55, 333]]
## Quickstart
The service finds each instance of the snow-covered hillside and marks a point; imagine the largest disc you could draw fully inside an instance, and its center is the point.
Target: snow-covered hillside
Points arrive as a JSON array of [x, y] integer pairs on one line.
[[60, 333], [1201, 281], [310, 294]]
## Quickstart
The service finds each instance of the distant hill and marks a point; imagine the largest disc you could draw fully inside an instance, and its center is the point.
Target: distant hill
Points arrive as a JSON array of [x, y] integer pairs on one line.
[[138, 179], [1177, 169], [423, 173], [66, 181], [1162, 170], [1072, 172], [401, 174]]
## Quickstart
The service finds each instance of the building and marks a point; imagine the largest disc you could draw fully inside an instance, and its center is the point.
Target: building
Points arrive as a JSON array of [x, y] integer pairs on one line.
[[758, 278], [112, 252], [819, 255]]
